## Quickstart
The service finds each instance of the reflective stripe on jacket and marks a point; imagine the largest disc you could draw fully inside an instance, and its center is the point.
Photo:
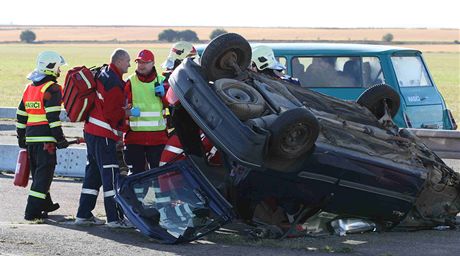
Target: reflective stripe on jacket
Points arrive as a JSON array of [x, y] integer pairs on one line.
[[35, 110], [151, 107], [33, 102]]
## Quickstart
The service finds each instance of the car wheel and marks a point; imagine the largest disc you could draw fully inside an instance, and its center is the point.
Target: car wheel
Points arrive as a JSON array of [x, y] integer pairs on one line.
[[374, 99], [244, 101], [226, 56], [293, 133]]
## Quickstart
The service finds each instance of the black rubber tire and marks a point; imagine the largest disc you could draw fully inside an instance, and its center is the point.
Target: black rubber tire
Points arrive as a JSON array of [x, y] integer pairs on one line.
[[373, 99], [244, 101], [221, 48], [293, 133]]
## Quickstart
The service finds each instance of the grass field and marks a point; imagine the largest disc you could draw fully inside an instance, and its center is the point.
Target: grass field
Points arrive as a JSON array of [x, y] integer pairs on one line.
[[17, 60]]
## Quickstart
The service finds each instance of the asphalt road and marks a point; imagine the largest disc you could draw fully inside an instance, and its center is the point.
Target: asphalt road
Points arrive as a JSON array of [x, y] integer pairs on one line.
[[58, 236]]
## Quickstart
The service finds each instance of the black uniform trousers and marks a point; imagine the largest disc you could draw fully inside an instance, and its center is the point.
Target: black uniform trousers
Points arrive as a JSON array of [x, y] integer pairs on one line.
[[42, 165], [137, 157]]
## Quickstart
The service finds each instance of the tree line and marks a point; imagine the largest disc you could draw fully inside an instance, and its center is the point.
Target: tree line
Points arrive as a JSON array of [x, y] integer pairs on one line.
[[171, 35]]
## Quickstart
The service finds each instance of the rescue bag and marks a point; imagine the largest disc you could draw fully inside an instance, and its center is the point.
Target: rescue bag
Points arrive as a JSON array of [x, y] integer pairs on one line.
[[22, 172], [80, 92]]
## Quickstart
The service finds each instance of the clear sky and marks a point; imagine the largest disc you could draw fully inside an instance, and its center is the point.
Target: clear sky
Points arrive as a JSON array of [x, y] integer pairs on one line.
[[281, 13]]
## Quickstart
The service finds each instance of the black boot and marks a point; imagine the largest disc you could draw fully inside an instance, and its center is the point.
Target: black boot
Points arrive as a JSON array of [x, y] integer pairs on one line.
[[49, 205], [34, 209]]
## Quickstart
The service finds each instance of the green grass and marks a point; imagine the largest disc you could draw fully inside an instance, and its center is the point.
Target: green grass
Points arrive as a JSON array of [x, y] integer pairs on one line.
[[445, 69], [17, 60]]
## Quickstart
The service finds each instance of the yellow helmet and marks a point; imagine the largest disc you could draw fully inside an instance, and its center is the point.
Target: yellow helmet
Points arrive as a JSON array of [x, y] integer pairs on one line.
[[179, 52], [263, 57]]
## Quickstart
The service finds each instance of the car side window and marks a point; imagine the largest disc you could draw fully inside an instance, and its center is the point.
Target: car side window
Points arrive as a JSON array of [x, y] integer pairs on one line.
[[333, 71]]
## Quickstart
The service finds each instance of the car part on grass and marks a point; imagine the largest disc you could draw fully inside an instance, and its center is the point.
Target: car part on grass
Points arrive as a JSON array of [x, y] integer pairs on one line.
[[242, 99], [375, 98], [293, 133], [227, 56]]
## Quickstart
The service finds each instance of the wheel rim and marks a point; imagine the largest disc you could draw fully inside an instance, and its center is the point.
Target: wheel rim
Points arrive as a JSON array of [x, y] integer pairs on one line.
[[295, 138], [228, 60], [239, 95]]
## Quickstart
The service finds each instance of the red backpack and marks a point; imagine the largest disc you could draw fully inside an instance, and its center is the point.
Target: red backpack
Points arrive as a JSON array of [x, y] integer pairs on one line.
[[80, 92]]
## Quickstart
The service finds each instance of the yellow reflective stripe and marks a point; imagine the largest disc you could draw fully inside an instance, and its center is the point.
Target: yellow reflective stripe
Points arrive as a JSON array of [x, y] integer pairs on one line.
[[48, 84], [20, 126], [33, 118], [21, 113], [40, 139], [53, 109], [55, 124], [37, 194]]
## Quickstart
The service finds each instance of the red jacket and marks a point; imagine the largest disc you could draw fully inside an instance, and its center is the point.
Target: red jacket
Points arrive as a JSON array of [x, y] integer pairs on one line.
[[144, 138], [107, 118]]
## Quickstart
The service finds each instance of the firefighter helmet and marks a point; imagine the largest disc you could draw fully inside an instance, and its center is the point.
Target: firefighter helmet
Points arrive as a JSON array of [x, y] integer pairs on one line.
[[48, 63], [179, 52], [263, 57]]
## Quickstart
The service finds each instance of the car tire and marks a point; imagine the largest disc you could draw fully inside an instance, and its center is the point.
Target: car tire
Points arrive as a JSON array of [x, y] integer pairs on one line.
[[244, 101], [221, 51], [374, 97], [293, 133]]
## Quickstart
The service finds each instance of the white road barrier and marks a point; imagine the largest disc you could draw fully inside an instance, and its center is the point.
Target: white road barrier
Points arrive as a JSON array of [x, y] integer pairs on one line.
[[71, 161]]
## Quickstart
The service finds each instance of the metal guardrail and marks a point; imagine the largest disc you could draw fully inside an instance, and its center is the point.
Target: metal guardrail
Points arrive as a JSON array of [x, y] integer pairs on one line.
[[446, 143]]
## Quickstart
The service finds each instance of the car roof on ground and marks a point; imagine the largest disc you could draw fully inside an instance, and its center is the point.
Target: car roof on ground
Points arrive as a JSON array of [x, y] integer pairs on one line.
[[330, 48]]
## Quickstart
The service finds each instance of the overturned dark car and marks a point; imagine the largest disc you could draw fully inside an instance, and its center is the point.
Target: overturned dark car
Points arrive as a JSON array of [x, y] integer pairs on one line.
[[310, 152]]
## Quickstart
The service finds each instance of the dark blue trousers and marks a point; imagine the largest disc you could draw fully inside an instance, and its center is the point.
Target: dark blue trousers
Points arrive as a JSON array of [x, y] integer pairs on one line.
[[101, 170], [137, 157]]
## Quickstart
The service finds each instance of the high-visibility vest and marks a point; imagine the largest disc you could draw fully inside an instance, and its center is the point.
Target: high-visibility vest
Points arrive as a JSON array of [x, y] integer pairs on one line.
[[36, 112], [150, 105]]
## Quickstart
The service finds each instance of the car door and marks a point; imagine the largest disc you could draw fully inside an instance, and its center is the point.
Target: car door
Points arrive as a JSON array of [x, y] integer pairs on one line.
[[174, 203], [424, 103]]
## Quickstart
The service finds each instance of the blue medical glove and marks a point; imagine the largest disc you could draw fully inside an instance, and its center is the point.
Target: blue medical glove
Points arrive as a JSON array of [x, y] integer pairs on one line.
[[135, 111], [160, 90]]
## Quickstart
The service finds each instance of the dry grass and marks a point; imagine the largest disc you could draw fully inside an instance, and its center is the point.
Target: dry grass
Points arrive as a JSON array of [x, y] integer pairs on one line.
[[70, 33]]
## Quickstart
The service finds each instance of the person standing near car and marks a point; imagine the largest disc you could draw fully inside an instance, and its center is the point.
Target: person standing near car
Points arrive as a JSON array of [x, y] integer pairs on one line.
[[39, 130], [102, 131], [186, 138], [146, 135], [264, 61]]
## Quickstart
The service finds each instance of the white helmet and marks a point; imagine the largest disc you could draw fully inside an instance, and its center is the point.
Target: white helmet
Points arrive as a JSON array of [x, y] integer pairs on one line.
[[263, 57], [48, 63], [179, 51]]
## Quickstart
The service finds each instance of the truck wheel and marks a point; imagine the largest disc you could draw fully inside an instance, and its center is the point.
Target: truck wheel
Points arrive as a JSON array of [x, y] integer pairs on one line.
[[293, 133], [244, 101], [226, 56], [374, 99]]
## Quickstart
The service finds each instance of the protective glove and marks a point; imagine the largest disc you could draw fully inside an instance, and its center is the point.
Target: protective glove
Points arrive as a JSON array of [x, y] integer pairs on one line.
[[62, 144], [160, 90], [135, 111], [22, 142]]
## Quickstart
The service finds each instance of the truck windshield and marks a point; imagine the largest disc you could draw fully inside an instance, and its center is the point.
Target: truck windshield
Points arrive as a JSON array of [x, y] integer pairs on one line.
[[410, 71]]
